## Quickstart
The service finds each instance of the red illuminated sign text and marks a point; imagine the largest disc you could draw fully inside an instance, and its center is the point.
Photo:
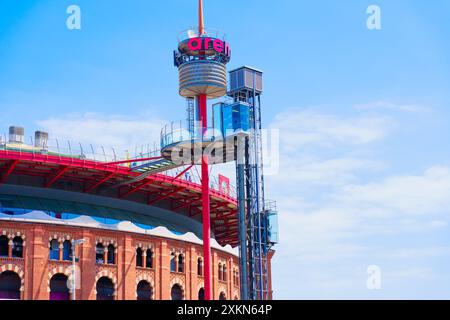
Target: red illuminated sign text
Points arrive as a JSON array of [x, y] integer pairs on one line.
[[203, 44]]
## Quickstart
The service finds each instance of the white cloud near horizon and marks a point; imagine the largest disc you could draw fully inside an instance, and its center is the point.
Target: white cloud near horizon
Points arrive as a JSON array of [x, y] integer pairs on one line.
[[110, 131], [340, 204]]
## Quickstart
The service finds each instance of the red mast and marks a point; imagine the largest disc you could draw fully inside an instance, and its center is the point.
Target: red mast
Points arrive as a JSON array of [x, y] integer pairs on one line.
[[206, 218]]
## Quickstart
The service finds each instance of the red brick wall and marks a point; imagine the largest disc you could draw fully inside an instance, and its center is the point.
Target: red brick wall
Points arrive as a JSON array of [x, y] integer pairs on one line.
[[36, 268]]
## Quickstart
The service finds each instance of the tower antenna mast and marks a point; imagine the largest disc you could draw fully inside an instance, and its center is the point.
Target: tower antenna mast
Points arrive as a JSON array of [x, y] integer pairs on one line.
[[201, 22]]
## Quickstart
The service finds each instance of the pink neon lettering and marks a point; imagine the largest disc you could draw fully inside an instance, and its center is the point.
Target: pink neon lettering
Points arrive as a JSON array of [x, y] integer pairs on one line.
[[195, 44], [218, 45]]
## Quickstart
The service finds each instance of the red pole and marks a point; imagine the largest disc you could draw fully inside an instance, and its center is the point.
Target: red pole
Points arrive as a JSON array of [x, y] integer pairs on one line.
[[202, 101]]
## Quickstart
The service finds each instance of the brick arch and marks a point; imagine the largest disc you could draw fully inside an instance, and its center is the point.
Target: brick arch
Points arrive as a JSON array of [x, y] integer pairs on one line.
[[200, 285], [12, 234], [66, 271], [224, 290], [108, 274], [60, 237], [145, 246], [150, 280], [17, 270], [180, 282], [106, 242]]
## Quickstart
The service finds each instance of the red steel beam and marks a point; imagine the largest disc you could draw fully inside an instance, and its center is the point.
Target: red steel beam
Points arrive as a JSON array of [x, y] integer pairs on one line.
[[214, 208], [96, 185], [135, 189], [186, 204], [57, 176], [43, 159], [132, 160], [183, 172], [165, 196], [9, 170]]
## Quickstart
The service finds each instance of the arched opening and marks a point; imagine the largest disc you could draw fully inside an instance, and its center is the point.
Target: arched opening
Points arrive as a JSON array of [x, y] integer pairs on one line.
[[10, 284], [17, 249], [180, 263], [54, 250], [173, 263], [111, 254], [144, 290], [201, 294], [199, 267], [59, 289], [219, 271], [149, 259], [236, 298], [105, 289], [176, 293], [222, 296], [139, 257], [224, 273], [99, 253], [67, 250], [4, 246]]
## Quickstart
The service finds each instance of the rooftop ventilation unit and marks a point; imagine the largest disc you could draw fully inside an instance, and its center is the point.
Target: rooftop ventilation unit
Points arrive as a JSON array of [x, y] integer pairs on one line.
[[16, 135], [41, 140]]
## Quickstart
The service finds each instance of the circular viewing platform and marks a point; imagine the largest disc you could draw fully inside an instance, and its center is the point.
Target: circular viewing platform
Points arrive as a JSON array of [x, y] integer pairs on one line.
[[188, 147]]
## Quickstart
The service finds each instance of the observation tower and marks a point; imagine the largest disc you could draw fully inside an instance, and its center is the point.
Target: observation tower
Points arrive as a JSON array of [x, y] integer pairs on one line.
[[201, 60]]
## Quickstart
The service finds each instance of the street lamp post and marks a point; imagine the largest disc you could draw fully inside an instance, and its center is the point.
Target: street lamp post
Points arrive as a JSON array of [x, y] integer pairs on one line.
[[75, 243]]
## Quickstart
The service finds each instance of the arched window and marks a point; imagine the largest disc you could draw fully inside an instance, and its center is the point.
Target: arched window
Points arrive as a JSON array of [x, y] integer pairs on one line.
[[139, 257], [224, 273], [144, 291], [201, 294], [17, 249], [105, 289], [99, 253], [219, 271], [173, 263], [59, 289], [67, 250], [4, 246], [149, 259], [111, 254], [180, 263], [54, 250], [222, 296], [176, 293], [9, 286], [199, 267]]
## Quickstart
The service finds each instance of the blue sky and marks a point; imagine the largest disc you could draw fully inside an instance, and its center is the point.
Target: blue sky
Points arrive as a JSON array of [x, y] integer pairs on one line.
[[364, 176]]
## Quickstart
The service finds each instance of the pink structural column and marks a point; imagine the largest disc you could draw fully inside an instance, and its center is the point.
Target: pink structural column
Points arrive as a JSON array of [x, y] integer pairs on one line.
[[202, 101]]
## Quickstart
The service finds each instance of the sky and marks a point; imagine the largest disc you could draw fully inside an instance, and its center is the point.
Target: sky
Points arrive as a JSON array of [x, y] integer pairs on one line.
[[363, 180]]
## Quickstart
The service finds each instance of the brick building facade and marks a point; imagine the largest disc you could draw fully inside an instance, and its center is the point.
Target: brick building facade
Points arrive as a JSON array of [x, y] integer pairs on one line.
[[37, 257]]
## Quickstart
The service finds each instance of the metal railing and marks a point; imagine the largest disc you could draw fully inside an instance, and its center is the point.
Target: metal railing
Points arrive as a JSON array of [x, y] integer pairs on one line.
[[192, 32], [175, 132], [68, 149]]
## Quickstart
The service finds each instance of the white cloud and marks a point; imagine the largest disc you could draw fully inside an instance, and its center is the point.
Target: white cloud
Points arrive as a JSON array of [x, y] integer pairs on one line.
[[336, 217], [110, 131], [402, 195], [307, 127], [314, 171]]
